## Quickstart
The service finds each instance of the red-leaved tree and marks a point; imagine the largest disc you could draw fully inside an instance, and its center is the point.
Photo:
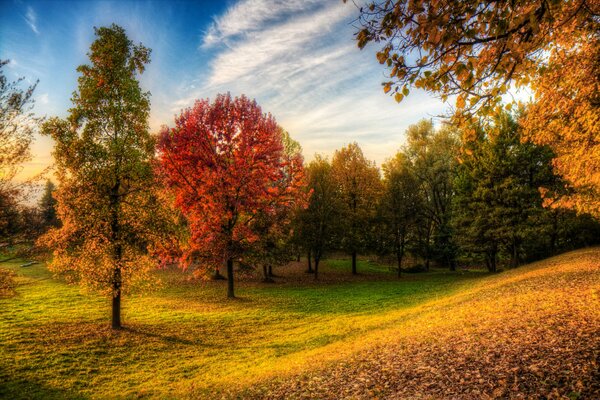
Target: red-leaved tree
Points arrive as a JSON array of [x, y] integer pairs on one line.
[[225, 164]]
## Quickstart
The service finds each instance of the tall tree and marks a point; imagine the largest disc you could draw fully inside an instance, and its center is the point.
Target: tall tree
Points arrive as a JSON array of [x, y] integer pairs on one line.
[[400, 203], [318, 220], [17, 126], [433, 155], [225, 163], [104, 154], [476, 50], [48, 206], [274, 226], [498, 204], [359, 185]]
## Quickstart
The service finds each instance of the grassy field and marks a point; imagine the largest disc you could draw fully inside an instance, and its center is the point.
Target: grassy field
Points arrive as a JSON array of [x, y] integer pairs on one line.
[[186, 340]]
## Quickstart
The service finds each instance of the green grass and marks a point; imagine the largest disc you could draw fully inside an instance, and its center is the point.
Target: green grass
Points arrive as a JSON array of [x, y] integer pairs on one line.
[[187, 338]]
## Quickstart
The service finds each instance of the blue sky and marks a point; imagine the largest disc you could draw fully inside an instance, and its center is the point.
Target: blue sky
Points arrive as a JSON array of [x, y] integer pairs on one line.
[[297, 58]]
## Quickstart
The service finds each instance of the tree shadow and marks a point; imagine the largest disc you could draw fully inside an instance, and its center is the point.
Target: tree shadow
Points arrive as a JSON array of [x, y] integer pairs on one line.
[[166, 338]]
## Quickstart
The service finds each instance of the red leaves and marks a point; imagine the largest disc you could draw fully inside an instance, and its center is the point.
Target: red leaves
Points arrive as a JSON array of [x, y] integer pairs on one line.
[[225, 162]]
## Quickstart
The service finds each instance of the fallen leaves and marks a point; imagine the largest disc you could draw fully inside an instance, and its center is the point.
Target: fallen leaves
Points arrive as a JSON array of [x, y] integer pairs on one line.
[[532, 333]]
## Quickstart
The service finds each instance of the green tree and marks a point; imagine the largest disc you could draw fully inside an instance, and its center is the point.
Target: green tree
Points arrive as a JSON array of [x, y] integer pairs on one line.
[[433, 156], [317, 223], [104, 154], [498, 204], [358, 183], [48, 206], [399, 204]]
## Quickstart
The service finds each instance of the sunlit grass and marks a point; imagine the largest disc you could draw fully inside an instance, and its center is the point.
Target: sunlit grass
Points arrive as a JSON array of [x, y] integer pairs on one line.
[[187, 339]]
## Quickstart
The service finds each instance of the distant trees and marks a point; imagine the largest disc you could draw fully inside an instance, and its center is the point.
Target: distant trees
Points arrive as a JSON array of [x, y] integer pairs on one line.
[[475, 51], [226, 165], [318, 223], [400, 204], [104, 154], [17, 126], [357, 180], [433, 156], [48, 205]]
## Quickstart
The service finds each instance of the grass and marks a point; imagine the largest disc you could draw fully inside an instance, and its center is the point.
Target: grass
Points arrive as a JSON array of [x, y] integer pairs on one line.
[[186, 340]]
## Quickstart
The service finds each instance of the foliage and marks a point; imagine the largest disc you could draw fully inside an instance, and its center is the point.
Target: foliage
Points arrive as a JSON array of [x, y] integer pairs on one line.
[[318, 223], [399, 205], [498, 202], [17, 126], [476, 50], [274, 227], [226, 165], [433, 155], [48, 206], [566, 117], [103, 154], [358, 183]]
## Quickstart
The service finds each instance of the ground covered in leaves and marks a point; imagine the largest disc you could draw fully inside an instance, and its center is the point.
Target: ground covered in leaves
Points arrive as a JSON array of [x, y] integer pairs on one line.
[[529, 332]]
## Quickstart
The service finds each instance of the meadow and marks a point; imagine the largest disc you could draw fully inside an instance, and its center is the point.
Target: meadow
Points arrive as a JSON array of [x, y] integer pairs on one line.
[[345, 336]]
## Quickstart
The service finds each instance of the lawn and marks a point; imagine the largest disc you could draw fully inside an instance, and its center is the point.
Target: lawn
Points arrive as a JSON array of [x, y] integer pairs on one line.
[[186, 340]]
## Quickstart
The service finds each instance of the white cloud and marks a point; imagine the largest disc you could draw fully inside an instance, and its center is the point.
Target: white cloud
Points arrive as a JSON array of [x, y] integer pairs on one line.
[[299, 60], [251, 15], [43, 98], [31, 19]]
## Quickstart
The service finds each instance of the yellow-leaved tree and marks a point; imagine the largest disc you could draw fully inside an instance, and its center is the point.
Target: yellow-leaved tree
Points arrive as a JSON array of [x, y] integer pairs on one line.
[[477, 50], [103, 153]]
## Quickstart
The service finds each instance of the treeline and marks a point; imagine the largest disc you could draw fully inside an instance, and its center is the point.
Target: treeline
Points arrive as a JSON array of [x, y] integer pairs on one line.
[[226, 187], [445, 201]]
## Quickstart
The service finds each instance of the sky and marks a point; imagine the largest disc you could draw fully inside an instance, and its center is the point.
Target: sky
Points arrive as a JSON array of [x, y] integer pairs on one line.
[[297, 58]]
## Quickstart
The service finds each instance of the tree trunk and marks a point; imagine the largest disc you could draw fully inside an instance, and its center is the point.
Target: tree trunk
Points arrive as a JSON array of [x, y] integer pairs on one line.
[[514, 258], [116, 299], [317, 259], [217, 275], [271, 274], [354, 263], [399, 256], [309, 258], [116, 310], [267, 278], [230, 293]]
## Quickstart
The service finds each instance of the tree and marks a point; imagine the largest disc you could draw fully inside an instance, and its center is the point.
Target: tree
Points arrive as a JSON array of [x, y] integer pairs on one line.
[[498, 206], [104, 154], [433, 156], [17, 125], [476, 50], [400, 203], [225, 163], [274, 225], [357, 180], [48, 206], [566, 117], [318, 220]]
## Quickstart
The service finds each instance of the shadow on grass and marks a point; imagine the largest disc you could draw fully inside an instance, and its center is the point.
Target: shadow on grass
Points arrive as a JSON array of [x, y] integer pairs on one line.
[[29, 390], [149, 334]]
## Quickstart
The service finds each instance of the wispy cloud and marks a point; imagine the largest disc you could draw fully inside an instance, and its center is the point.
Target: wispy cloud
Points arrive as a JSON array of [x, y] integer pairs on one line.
[[249, 16], [31, 19], [299, 60]]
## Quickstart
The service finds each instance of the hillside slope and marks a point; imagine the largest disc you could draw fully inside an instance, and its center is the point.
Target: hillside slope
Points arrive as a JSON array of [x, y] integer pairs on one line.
[[533, 332], [529, 332]]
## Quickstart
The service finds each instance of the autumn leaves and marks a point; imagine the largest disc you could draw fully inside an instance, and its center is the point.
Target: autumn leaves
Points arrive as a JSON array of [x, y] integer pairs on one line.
[[226, 165]]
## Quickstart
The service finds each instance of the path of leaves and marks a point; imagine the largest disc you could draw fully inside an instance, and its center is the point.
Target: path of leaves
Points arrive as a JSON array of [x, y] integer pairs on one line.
[[532, 333]]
